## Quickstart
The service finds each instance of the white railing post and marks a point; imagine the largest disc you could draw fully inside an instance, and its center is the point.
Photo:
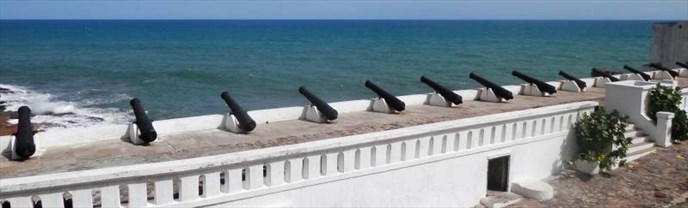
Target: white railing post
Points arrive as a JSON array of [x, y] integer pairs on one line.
[[52, 200], [211, 184], [664, 129], [164, 192], [138, 196], [82, 198]]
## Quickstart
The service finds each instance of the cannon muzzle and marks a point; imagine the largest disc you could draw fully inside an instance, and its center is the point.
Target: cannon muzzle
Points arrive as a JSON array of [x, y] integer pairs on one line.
[[579, 82], [391, 100], [646, 77], [498, 90], [327, 110], [246, 123], [661, 67], [599, 73], [145, 125], [448, 94], [24, 143], [684, 65], [544, 87]]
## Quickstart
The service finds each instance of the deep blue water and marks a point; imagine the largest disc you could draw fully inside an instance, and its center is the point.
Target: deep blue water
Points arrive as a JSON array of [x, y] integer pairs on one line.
[[179, 68]]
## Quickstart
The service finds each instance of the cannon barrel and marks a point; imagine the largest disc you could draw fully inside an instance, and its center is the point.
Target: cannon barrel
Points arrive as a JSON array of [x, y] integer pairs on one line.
[[392, 101], [448, 94], [144, 124], [661, 67], [540, 84], [246, 123], [579, 82], [327, 110], [646, 77], [599, 73], [24, 143], [684, 65], [498, 90]]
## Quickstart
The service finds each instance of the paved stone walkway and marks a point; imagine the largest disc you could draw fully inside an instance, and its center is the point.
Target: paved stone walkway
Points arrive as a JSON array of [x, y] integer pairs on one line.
[[656, 180]]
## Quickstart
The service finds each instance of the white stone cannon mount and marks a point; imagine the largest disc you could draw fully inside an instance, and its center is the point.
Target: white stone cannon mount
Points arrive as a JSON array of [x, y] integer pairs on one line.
[[436, 99], [311, 113], [570, 86], [533, 90], [486, 94], [380, 105], [230, 123], [13, 154]]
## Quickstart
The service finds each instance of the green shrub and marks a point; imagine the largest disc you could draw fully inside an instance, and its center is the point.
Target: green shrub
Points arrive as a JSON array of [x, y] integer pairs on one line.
[[600, 138], [667, 99]]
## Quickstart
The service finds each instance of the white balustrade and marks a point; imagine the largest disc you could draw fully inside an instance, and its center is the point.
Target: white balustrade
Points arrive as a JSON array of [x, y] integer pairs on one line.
[[288, 167]]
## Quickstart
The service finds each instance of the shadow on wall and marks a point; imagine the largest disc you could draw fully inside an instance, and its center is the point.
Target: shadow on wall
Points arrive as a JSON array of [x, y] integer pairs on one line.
[[568, 149]]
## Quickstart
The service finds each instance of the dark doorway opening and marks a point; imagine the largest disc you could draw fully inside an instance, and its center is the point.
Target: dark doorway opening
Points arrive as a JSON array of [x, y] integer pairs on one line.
[[498, 174]]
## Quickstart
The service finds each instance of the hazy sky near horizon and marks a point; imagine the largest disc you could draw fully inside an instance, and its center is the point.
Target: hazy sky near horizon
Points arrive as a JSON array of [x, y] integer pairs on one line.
[[352, 9]]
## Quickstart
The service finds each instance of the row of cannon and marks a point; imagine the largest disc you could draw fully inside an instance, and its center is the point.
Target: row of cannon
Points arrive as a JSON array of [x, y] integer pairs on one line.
[[25, 146]]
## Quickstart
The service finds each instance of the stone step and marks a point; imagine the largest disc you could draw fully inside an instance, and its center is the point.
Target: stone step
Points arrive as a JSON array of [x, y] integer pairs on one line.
[[637, 155], [496, 199], [634, 133], [641, 139], [640, 147], [630, 126]]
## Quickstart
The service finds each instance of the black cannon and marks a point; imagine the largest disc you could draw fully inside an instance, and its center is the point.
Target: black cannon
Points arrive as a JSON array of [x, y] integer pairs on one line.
[[246, 123], [579, 82], [392, 101], [24, 145], [447, 94], [498, 90], [646, 77], [144, 124], [661, 67], [327, 110], [599, 73], [544, 87], [684, 65]]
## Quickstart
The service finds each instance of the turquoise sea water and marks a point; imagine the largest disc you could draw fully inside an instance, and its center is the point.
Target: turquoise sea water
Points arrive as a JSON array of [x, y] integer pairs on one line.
[[88, 70]]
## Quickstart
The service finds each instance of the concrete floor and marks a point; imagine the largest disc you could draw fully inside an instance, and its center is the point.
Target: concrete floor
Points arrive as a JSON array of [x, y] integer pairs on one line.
[[213, 142]]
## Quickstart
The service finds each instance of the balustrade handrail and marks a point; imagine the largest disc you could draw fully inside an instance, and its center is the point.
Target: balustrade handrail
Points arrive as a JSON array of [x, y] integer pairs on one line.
[[141, 172]]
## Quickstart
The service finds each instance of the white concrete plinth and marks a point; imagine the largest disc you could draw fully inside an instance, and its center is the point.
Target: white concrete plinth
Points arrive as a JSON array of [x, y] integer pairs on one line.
[[533, 189], [570, 86], [636, 77], [486, 94], [532, 90], [600, 82], [314, 115], [134, 134], [232, 124], [436, 99], [380, 105], [664, 123], [663, 75], [36, 142], [682, 72]]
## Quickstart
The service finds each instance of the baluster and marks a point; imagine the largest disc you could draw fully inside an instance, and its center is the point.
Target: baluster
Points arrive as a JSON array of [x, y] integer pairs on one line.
[[51, 200], [296, 170], [109, 196], [276, 173], [24, 201], [164, 192], [364, 161], [138, 195], [349, 159], [380, 155], [395, 152], [423, 147], [82, 198], [313, 166], [233, 180], [211, 184], [437, 145], [255, 176]]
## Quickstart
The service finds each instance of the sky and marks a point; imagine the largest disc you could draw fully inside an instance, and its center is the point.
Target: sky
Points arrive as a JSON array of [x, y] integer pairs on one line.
[[351, 9]]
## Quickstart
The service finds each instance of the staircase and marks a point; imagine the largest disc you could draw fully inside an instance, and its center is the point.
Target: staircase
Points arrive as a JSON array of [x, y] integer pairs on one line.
[[641, 144]]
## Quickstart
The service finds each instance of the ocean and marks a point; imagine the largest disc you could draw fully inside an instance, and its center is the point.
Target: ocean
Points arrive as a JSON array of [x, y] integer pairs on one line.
[[84, 72]]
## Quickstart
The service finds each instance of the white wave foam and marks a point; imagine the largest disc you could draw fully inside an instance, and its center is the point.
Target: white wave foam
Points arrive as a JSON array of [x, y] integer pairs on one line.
[[48, 109]]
